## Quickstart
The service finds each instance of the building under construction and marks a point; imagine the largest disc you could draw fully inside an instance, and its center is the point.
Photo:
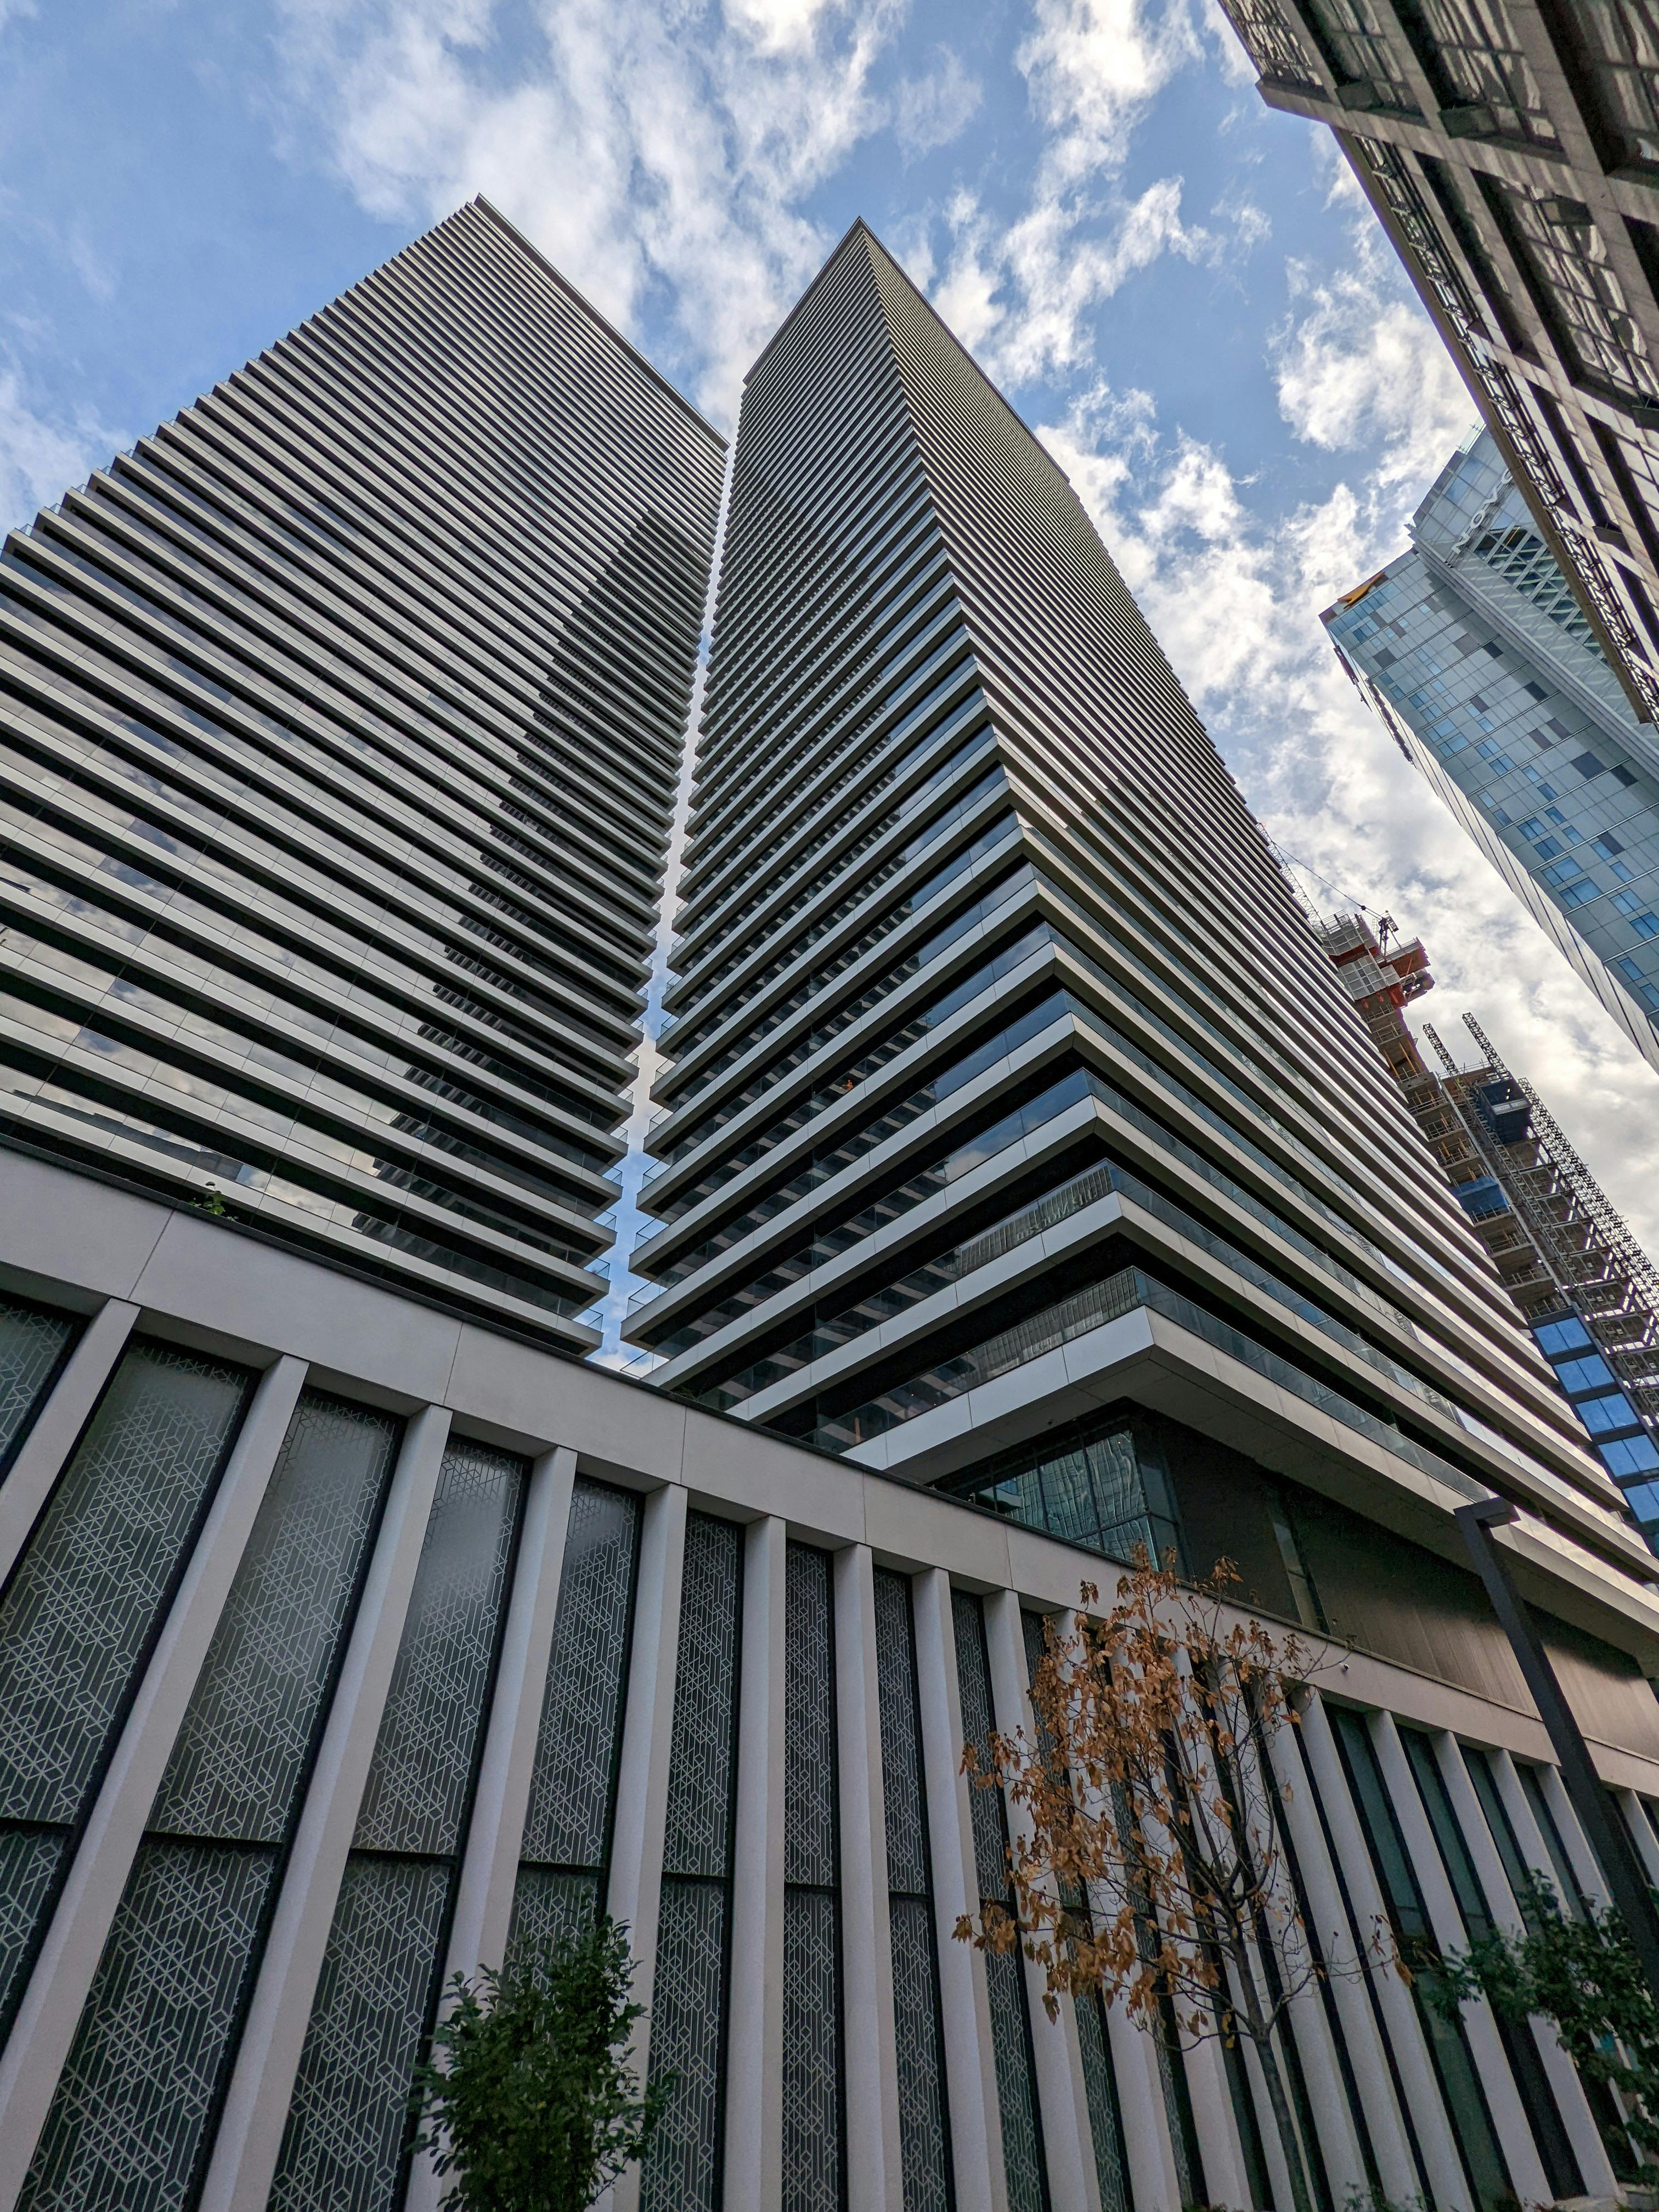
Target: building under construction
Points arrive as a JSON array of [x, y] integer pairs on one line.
[[1590, 1293]]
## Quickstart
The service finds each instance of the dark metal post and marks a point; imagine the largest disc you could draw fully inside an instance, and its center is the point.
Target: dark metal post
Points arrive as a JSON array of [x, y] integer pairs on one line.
[[1632, 1896]]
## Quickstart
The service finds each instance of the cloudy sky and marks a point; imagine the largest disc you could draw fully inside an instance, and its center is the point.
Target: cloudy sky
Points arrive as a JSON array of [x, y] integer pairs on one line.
[[1180, 290]]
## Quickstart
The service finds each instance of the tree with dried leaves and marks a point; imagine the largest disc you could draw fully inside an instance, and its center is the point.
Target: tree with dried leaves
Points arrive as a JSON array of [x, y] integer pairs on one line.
[[1147, 1863]]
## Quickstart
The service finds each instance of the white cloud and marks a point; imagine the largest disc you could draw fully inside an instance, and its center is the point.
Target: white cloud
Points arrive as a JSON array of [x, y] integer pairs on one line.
[[1233, 598], [648, 150], [931, 109], [15, 11], [43, 453], [1093, 66], [1023, 294], [1358, 371]]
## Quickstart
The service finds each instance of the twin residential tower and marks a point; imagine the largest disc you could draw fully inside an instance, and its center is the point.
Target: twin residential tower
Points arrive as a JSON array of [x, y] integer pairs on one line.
[[1026, 1191]]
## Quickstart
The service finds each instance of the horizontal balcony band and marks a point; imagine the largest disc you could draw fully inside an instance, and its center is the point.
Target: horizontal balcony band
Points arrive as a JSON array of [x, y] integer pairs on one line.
[[1019, 1252], [1132, 1338]]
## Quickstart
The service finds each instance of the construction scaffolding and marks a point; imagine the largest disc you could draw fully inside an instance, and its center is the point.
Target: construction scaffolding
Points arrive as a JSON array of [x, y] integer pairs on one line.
[[1559, 1244]]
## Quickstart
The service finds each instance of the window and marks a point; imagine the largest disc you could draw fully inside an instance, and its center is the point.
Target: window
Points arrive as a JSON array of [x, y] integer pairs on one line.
[[1553, 813], [1536, 690], [1588, 765], [1627, 902], [1643, 1499], [1607, 844], [1600, 1415], [1548, 848], [1645, 925], [1591, 1373], [1532, 826], [1621, 873], [1555, 1337], [1630, 1455], [1562, 871], [1623, 775], [1578, 894], [1628, 968]]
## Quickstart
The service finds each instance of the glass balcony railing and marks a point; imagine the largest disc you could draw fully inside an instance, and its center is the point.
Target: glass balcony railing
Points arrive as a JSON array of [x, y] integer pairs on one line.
[[1059, 1205], [1091, 1309]]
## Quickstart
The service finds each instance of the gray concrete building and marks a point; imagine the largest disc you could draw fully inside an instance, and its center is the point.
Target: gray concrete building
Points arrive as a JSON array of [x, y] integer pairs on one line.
[[1511, 152], [341, 722], [1031, 1191], [1473, 653]]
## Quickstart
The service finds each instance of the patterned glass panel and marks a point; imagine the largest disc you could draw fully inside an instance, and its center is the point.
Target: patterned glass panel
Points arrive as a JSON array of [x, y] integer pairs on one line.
[[548, 1905], [924, 2141], [342, 2147], [241, 1754], [901, 1738], [1022, 2142], [701, 1761], [809, 1708], [28, 1866], [32, 1342], [973, 1679], [811, 1978], [681, 2173], [1004, 1973], [76, 1619], [576, 1752], [1099, 2081], [126, 2124], [415, 1797], [1105, 2119], [924, 2125], [811, 2055]]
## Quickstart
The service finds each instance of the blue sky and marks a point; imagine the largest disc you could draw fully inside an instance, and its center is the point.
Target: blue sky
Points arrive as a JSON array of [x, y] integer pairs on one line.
[[1178, 288]]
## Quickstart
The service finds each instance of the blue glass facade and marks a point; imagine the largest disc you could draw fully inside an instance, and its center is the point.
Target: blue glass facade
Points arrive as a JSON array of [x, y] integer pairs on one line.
[[1477, 655]]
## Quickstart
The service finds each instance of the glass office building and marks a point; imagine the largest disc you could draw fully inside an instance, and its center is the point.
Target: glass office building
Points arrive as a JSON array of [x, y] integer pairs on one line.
[[1511, 155], [1031, 1193], [342, 721], [1477, 656]]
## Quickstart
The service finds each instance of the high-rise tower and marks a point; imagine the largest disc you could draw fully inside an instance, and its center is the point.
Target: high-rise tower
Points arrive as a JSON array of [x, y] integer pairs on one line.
[[1027, 1151], [1511, 155], [998, 1030], [342, 722], [1474, 652]]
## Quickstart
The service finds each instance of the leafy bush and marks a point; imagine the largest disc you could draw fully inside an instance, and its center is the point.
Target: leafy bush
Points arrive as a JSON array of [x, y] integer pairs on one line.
[[528, 2098], [1584, 1976]]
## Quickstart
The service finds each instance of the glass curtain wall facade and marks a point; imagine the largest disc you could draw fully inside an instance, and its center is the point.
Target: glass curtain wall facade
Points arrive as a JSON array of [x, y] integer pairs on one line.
[[971, 1062], [341, 722], [1511, 155], [1474, 652]]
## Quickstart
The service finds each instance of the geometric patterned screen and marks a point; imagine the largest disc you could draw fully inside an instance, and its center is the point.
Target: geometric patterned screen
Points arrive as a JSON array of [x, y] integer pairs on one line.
[[1099, 2080], [1005, 1978], [33, 1342], [87, 1595], [129, 2123], [346, 2141], [683, 2171], [572, 1786], [924, 2122], [812, 2088]]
